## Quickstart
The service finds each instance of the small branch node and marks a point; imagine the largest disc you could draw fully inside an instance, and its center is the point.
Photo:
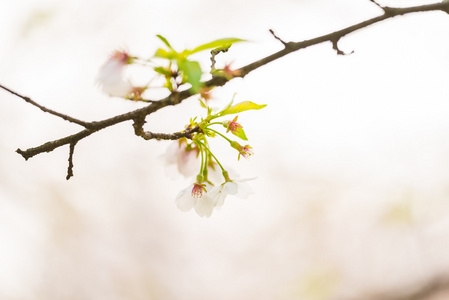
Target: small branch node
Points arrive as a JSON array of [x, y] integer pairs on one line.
[[214, 53], [138, 125], [336, 48], [377, 4], [23, 153], [70, 168], [148, 135], [286, 44], [389, 11]]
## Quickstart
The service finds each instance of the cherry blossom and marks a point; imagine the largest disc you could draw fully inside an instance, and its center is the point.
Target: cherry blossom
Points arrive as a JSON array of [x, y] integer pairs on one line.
[[204, 206], [195, 196], [185, 160], [110, 77], [237, 188]]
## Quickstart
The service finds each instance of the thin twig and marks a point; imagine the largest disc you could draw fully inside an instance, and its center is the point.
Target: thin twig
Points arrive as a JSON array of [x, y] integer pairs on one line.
[[44, 109], [339, 51], [147, 135], [377, 4], [143, 100], [278, 38], [214, 53], [70, 168]]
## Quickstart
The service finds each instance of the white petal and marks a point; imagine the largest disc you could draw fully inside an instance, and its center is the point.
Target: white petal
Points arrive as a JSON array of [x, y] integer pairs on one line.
[[110, 78], [204, 206], [230, 188], [217, 195], [184, 200], [119, 89], [244, 189]]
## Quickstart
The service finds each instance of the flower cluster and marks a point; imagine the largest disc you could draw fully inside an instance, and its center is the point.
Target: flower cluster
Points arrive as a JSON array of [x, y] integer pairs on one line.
[[191, 156], [203, 195], [196, 196]]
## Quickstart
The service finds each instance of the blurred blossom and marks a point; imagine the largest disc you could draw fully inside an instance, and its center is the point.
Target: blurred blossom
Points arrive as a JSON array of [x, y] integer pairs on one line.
[[110, 76], [183, 159]]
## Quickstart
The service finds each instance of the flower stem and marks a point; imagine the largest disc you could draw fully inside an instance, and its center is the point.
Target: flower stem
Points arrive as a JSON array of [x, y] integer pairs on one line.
[[220, 134], [202, 162], [214, 123], [218, 162]]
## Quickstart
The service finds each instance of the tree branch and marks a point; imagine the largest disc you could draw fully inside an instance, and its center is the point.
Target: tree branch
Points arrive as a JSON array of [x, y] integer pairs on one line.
[[138, 116], [389, 12], [52, 145], [147, 135], [44, 109]]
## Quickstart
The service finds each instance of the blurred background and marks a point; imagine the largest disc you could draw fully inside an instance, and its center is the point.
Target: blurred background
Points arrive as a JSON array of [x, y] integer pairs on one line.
[[351, 156]]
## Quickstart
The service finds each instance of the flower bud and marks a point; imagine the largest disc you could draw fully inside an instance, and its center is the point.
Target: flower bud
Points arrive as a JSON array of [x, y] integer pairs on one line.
[[245, 151], [233, 126]]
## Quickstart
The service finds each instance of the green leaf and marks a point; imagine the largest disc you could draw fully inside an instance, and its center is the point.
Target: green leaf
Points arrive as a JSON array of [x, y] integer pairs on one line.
[[239, 107], [162, 53], [164, 40], [192, 71], [240, 133], [203, 105], [215, 44]]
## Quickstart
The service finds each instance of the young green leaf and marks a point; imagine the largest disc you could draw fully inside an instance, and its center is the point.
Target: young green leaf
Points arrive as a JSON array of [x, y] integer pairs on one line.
[[239, 107], [192, 71], [162, 53], [215, 44], [164, 40], [240, 133], [203, 105]]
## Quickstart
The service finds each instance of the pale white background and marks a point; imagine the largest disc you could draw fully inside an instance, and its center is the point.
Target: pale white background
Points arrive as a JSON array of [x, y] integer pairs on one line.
[[351, 156]]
